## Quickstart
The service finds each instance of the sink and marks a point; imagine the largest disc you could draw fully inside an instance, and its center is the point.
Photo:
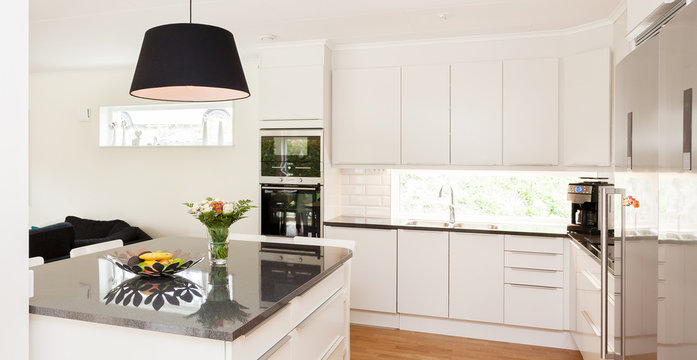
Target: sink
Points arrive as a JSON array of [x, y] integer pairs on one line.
[[461, 225], [457, 225], [427, 223]]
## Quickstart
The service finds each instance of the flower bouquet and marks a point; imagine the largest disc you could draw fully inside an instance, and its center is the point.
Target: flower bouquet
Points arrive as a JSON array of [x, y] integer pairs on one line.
[[217, 216]]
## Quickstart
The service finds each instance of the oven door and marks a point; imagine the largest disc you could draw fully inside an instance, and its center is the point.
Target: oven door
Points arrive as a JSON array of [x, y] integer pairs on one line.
[[291, 156], [290, 210]]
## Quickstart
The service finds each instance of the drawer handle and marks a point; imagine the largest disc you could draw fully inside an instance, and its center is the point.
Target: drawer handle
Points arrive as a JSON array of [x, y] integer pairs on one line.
[[277, 346], [593, 280], [532, 253], [536, 270], [319, 309], [535, 286], [335, 345], [590, 322]]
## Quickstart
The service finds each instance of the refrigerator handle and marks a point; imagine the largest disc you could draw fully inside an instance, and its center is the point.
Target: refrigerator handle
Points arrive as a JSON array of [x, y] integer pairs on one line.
[[605, 193], [630, 139]]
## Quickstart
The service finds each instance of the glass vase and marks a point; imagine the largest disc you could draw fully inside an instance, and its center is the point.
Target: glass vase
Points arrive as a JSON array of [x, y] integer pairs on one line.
[[218, 244]]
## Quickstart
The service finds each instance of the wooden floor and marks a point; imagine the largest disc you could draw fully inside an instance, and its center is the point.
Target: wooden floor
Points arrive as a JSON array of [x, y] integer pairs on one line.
[[377, 343]]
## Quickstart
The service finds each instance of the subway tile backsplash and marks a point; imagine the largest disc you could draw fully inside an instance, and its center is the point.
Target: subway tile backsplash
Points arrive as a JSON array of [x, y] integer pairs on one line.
[[365, 192]]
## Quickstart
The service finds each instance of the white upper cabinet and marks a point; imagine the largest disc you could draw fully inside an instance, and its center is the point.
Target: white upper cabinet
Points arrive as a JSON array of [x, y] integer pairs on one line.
[[291, 92], [531, 111], [585, 108], [366, 116], [425, 115], [476, 113]]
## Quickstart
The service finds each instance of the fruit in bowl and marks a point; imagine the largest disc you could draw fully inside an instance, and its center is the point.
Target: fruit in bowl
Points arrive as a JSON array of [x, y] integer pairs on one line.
[[149, 263]]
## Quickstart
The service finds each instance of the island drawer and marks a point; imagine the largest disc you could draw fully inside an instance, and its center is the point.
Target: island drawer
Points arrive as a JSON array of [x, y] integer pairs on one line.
[[303, 305], [534, 244], [529, 260], [550, 278], [319, 333]]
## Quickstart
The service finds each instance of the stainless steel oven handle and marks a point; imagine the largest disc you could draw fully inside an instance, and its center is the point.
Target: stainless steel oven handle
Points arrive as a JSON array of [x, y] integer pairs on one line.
[[286, 188]]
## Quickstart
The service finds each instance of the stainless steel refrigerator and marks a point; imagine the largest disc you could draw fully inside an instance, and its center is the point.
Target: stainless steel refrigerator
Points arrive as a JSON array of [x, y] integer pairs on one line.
[[649, 310]]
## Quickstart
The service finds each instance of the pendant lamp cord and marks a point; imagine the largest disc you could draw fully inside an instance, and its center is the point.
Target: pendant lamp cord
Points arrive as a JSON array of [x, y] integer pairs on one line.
[[190, 10]]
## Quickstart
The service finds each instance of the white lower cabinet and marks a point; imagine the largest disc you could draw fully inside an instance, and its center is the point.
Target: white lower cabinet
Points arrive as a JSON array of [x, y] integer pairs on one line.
[[476, 277], [374, 267], [535, 306], [422, 273], [318, 335], [534, 282]]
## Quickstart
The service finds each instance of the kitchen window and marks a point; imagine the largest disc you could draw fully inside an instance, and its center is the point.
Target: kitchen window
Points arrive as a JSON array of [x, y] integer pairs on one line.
[[200, 124], [482, 196]]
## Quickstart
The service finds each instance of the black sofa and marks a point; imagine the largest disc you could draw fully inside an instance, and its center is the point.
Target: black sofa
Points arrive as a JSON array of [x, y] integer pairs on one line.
[[54, 242]]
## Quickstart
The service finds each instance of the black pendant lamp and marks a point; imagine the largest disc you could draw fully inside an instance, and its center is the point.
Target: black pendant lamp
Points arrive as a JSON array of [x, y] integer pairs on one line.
[[189, 62]]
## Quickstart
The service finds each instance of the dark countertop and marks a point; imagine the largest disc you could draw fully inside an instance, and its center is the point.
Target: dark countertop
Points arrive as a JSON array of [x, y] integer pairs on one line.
[[509, 229], [195, 303]]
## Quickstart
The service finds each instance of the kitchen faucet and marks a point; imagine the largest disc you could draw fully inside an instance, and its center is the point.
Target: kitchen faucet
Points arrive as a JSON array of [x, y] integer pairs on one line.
[[451, 206]]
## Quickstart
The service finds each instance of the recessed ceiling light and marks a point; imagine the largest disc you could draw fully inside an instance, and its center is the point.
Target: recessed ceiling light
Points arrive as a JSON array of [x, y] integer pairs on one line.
[[443, 16], [267, 37]]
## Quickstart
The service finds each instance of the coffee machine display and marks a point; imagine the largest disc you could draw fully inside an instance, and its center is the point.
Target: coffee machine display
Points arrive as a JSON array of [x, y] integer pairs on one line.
[[584, 197]]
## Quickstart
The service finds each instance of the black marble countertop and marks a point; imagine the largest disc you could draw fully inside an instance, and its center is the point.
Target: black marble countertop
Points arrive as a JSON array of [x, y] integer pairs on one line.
[[221, 303], [510, 229]]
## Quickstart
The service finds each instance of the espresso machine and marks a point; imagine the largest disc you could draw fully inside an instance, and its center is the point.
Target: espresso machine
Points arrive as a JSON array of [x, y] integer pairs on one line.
[[584, 197]]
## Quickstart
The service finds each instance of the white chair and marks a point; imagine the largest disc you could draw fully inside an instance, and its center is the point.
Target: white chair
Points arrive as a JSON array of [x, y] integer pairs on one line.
[[36, 260], [90, 249]]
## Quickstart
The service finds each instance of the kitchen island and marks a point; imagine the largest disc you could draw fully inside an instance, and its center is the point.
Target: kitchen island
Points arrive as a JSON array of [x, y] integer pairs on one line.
[[87, 307]]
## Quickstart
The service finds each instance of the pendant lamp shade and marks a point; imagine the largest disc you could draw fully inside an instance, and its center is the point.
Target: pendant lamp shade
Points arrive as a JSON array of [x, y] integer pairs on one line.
[[189, 62]]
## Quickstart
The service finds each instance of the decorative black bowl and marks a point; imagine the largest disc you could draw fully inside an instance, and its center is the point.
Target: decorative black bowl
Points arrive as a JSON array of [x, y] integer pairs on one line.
[[154, 291], [126, 262]]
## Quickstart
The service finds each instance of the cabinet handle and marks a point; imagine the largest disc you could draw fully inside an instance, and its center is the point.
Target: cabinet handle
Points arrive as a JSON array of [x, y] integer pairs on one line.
[[275, 348], [590, 322], [535, 286], [302, 168], [319, 309], [536, 270], [687, 129], [630, 146], [531, 252], [593, 280]]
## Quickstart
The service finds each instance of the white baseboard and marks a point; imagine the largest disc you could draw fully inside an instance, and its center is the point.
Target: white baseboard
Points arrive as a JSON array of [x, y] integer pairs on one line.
[[374, 318], [468, 329]]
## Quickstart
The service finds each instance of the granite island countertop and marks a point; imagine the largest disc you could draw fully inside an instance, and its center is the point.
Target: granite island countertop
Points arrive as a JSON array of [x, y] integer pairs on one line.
[[487, 228], [203, 301]]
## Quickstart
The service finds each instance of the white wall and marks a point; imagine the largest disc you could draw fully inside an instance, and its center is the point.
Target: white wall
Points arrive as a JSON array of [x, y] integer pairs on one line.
[[14, 333], [71, 175]]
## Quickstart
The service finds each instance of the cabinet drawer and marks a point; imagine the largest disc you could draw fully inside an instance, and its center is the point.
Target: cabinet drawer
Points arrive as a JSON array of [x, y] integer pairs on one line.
[[550, 278], [534, 244], [317, 334], [308, 302], [533, 306], [534, 260]]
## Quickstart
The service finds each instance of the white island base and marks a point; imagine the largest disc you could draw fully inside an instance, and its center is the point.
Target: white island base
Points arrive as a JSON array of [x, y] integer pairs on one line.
[[313, 325]]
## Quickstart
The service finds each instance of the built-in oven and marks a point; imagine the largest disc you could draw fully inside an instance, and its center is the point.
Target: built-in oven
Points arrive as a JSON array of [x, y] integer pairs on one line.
[[291, 210], [291, 156], [282, 272]]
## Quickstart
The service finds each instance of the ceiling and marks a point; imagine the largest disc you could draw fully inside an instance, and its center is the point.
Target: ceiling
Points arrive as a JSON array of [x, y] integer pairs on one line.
[[69, 34]]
